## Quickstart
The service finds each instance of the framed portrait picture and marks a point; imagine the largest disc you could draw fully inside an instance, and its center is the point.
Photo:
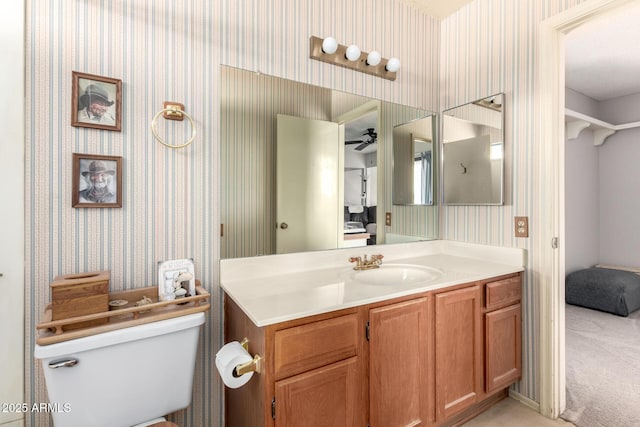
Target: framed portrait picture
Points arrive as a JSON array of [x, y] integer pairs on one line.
[[96, 102], [97, 181]]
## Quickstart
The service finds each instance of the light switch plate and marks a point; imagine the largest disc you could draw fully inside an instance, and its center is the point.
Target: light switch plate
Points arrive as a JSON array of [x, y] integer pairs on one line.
[[521, 226], [387, 219]]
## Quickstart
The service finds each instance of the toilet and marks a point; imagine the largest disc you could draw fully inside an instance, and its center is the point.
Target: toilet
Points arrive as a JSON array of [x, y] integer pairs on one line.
[[127, 377]]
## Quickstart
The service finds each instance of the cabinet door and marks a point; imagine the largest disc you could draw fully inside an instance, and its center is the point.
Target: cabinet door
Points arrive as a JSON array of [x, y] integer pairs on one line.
[[459, 349], [503, 347], [324, 397], [399, 364]]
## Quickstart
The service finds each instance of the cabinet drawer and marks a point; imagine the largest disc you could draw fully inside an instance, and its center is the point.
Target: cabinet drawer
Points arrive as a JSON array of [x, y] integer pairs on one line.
[[502, 292], [313, 345]]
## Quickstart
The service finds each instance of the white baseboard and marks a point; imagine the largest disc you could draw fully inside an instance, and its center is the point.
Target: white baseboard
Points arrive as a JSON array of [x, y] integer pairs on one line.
[[525, 400]]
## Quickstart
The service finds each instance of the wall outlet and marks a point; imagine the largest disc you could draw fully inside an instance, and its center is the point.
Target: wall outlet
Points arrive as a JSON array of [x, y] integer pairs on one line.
[[521, 226], [387, 219]]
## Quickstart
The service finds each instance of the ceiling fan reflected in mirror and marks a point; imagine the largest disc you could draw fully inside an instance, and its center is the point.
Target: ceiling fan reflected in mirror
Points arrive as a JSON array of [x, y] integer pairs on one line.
[[366, 142]]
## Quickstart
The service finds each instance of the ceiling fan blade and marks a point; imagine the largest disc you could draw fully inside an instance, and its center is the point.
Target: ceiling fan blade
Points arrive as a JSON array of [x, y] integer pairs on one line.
[[361, 146], [353, 142]]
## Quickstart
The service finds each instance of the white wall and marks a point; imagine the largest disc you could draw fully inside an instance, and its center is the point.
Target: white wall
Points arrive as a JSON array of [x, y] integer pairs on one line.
[[620, 198], [625, 109], [601, 187], [620, 184], [12, 210], [577, 101], [582, 203]]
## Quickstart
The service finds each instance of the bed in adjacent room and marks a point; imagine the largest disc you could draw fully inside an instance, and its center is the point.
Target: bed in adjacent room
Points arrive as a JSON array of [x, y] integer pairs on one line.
[[602, 339], [607, 288]]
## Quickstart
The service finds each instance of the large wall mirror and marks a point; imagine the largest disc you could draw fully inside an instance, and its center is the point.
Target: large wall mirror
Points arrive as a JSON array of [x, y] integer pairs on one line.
[[413, 165], [308, 168], [473, 153]]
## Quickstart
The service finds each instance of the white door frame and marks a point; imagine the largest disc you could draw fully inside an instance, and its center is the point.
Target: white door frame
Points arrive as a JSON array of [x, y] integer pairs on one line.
[[550, 169], [12, 211]]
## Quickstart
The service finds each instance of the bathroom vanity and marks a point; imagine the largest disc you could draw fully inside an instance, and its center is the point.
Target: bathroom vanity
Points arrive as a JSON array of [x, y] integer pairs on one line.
[[431, 338]]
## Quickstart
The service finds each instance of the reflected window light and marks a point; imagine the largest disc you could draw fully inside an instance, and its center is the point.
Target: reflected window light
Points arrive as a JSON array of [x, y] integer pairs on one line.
[[417, 181], [495, 152]]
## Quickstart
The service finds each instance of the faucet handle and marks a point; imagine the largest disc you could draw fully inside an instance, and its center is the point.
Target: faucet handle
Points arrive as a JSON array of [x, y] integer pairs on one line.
[[355, 259], [376, 257]]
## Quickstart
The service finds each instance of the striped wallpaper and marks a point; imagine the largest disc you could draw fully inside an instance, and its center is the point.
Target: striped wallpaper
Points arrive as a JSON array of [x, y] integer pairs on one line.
[[489, 46], [167, 50], [164, 50]]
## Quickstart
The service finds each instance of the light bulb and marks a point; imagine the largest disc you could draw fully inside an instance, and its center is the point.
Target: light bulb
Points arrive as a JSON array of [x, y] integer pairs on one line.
[[393, 65], [353, 53], [373, 58], [329, 45]]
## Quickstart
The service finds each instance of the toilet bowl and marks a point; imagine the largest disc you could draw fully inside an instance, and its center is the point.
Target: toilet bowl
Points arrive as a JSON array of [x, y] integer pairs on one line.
[[122, 378]]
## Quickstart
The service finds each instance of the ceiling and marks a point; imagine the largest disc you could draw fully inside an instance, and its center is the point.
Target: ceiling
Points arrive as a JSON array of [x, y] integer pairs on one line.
[[438, 8], [603, 56], [354, 130]]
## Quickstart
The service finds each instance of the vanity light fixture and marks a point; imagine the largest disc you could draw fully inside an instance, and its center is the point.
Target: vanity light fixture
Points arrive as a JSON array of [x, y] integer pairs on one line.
[[374, 58], [330, 51], [393, 65], [353, 53], [329, 45]]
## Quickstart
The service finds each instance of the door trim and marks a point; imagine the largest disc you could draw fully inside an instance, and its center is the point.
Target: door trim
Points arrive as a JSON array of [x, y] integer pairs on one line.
[[550, 170]]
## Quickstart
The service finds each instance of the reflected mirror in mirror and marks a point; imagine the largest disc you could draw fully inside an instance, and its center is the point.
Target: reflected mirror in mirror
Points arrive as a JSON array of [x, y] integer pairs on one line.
[[413, 155], [473, 153], [337, 190]]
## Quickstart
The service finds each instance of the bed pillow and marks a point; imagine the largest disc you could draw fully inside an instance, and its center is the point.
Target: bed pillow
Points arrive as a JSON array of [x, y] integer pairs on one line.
[[604, 289]]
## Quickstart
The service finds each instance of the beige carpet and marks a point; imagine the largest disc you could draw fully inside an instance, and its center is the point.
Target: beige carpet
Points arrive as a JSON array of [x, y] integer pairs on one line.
[[603, 368]]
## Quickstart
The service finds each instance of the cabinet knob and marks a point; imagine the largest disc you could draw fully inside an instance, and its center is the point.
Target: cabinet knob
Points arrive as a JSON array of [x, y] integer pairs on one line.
[[284, 225]]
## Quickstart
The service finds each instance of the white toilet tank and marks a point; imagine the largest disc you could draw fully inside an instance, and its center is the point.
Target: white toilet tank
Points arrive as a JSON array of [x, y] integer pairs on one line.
[[124, 377]]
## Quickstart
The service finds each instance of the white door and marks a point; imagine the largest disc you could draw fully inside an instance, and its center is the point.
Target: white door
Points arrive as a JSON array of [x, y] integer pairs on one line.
[[308, 203]]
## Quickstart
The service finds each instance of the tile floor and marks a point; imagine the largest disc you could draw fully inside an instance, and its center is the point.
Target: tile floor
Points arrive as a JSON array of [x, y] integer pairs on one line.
[[511, 413]]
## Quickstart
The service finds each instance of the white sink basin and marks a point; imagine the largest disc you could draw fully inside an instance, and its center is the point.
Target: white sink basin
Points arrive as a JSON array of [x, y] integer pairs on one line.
[[397, 274]]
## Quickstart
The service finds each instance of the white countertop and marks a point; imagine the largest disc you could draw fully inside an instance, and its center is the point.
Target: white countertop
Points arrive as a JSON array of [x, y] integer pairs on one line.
[[277, 288]]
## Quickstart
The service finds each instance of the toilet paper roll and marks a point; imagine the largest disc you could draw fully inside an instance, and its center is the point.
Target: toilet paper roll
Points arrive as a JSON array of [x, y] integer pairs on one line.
[[228, 357]]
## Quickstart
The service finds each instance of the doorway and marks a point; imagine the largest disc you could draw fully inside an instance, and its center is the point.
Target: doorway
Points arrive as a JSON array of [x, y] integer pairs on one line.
[[360, 183], [551, 103]]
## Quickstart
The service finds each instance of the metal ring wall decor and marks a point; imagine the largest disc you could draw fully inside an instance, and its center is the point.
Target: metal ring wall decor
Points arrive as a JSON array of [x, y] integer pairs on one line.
[[173, 110]]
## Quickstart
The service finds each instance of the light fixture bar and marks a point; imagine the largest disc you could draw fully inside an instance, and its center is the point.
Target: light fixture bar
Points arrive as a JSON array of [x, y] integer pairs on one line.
[[339, 58]]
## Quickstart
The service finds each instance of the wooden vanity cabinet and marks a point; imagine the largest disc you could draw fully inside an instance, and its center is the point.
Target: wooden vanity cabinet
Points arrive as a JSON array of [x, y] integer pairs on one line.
[[327, 396], [313, 375], [316, 367], [477, 346], [503, 332], [400, 364], [458, 349], [430, 359]]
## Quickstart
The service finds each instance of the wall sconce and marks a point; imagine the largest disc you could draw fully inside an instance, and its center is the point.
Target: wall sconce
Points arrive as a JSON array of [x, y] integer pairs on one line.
[[330, 51]]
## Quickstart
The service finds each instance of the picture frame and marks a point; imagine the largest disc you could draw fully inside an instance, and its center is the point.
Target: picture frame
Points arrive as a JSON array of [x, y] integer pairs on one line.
[[97, 181], [96, 102]]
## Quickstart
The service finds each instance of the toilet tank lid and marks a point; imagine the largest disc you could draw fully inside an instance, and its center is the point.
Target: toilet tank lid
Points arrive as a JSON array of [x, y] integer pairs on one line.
[[119, 336]]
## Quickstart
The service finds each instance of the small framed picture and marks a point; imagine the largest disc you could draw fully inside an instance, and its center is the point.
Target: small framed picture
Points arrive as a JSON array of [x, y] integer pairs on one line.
[[97, 181], [96, 102]]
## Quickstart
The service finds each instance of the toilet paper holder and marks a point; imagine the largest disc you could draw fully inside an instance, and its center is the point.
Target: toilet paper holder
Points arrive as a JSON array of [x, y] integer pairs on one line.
[[253, 366]]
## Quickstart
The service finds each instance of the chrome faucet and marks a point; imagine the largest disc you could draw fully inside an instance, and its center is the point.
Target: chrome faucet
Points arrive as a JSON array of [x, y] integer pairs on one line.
[[366, 264]]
